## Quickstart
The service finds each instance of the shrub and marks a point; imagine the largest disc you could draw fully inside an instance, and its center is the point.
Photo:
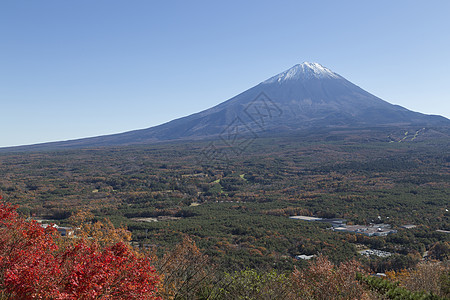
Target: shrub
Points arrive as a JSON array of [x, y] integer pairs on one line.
[[33, 267]]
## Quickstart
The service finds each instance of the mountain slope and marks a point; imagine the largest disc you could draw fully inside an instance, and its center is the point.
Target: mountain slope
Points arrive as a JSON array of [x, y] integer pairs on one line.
[[306, 96]]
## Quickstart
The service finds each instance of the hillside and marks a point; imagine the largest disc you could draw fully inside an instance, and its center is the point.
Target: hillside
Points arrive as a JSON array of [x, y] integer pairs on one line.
[[302, 99]]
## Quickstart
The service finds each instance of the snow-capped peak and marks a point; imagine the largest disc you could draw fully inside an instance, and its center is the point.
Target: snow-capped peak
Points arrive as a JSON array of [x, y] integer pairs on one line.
[[306, 70]]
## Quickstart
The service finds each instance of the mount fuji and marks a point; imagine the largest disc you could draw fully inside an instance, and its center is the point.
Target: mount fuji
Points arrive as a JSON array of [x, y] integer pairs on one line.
[[305, 97]]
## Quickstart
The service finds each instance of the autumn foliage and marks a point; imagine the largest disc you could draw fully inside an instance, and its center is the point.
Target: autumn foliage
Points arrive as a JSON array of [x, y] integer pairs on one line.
[[185, 272], [37, 263], [324, 280], [33, 266]]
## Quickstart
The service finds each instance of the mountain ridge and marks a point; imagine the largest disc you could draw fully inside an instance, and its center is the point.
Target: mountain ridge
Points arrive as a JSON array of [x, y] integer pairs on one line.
[[306, 96]]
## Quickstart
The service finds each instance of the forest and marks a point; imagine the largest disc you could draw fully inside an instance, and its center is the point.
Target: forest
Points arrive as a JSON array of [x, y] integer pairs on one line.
[[232, 206]]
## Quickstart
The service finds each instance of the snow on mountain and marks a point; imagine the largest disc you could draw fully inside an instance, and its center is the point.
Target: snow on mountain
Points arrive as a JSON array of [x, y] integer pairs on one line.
[[306, 70], [305, 98]]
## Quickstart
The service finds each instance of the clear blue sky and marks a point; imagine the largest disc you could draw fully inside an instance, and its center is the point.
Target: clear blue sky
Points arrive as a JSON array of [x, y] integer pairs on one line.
[[79, 68]]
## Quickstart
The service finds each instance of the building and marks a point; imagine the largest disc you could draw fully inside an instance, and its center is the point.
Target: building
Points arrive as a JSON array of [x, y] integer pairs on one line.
[[408, 226], [305, 257], [64, 231], [371, 230], [306, 218], [332, 222], [373, 252], [341, 225], [335, 222]]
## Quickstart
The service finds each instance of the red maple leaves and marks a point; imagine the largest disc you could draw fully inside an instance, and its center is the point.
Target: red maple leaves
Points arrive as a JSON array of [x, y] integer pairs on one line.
[[32, 265]]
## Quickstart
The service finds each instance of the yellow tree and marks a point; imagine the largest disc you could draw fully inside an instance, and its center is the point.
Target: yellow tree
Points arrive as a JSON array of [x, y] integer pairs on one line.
[[184, 271], [104, 232]]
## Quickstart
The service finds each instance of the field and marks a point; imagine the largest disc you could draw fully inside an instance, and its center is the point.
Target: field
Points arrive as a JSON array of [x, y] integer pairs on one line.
[[235, 202]]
